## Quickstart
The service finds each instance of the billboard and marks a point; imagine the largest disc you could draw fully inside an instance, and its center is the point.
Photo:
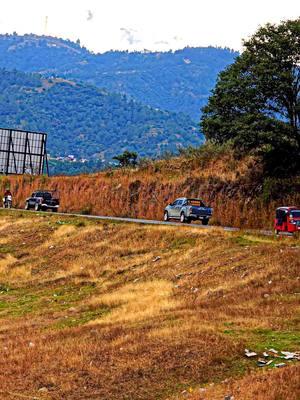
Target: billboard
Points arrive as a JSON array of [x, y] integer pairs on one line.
[[22, 152]]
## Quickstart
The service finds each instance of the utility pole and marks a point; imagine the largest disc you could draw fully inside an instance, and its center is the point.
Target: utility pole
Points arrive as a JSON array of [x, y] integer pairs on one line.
[[46, 26]]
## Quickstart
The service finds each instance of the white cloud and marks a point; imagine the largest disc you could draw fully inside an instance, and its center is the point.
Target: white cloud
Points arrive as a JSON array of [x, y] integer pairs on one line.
[[130, 36], [138, 24]]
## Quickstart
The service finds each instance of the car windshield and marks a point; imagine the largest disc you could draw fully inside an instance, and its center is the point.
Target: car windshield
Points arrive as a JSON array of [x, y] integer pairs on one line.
[[295, 214], [45, 195], [195, 202]]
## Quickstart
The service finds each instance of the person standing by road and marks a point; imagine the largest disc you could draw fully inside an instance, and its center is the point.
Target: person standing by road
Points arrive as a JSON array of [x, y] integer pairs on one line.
[[7, 199]]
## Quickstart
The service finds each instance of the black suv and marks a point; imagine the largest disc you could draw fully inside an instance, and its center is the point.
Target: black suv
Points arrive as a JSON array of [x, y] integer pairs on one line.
[[42, 200]]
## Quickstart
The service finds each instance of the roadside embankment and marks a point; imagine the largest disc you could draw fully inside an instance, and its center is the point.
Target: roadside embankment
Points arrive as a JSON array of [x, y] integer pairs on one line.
[[234, 188]]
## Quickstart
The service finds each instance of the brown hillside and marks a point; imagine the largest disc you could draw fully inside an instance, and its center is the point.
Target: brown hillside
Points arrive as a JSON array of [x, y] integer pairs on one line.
[[234, 188], [113, 311]]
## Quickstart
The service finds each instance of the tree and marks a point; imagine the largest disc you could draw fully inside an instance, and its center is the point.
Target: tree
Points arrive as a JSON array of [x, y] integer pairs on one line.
[[127, 159], [256, 101]]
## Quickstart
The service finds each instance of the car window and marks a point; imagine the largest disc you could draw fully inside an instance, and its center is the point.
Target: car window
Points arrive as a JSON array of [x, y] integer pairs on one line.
[[175, 203], [179, 202], [295, 214]]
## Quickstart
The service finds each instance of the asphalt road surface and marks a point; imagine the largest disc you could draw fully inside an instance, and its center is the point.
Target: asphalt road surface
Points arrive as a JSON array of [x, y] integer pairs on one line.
[[196, 225]]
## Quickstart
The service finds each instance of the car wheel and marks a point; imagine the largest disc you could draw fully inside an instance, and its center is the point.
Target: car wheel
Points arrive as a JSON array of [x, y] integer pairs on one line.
[[276, 232], [205, 221], [26, 206], [182, 218], [166, 216], [54, 209], [37, 207]]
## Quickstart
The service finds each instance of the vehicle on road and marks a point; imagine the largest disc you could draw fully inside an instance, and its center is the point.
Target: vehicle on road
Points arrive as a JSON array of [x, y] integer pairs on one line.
[[7, 201], [187, 210], [42, 200], [287, 219]]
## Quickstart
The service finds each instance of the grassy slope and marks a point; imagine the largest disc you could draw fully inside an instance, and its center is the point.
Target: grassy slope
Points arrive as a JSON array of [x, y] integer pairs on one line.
[[88, 310], [234, 188]]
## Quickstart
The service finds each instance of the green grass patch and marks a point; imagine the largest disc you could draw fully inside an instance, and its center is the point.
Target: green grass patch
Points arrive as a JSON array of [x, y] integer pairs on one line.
[[261, 339], [6, 249], [81, 319], [279, 340], [250, 240], [182, 242], [18, 302]]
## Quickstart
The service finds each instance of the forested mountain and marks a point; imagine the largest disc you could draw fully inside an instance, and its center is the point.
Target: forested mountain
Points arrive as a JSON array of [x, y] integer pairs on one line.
[[88, 122], [178, 81]]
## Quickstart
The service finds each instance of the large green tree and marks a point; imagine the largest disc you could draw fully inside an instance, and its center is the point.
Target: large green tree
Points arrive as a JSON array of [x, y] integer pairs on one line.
[[256, 101]]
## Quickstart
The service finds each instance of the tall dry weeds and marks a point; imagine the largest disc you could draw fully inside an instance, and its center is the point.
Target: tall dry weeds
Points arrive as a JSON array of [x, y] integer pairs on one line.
[[233, 188]]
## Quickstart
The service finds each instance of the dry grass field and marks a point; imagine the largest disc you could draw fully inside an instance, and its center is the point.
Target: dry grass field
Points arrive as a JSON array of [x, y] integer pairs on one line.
[[111, 311]]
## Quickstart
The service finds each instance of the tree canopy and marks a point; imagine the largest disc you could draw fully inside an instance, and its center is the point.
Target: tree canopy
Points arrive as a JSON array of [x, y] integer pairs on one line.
[[256, 101], [127, 158]]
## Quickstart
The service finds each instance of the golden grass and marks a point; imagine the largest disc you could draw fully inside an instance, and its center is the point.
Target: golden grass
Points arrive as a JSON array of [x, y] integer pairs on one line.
[[227, 184], [282, 384], [137, 302], [98, 310]]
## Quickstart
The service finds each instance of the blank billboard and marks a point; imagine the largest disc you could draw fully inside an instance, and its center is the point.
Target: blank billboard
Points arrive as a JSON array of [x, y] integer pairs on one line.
[[22, 152]]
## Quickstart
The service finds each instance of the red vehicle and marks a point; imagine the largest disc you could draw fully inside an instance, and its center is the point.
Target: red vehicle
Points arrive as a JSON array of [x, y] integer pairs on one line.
[[287, 220]]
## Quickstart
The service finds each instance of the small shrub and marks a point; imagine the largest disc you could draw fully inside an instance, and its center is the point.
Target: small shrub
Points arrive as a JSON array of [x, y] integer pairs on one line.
[[87, 210], [80, 224]]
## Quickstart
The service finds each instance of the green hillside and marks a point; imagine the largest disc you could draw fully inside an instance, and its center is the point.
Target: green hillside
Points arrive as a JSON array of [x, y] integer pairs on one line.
[[89, 122], [179, 81]]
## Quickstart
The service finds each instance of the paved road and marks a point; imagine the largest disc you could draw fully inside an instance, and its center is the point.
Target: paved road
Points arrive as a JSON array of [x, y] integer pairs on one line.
[[196, 225], [137, 220]]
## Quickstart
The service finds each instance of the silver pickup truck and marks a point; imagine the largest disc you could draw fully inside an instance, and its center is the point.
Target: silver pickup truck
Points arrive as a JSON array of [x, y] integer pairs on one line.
[[187, 210]]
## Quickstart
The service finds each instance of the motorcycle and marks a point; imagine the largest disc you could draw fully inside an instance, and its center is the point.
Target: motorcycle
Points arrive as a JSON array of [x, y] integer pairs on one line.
[[7, 202]]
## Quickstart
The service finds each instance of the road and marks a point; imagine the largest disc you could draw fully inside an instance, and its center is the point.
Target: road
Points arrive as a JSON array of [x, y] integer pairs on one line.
[[132, 220], [149, 221], [156, 222]]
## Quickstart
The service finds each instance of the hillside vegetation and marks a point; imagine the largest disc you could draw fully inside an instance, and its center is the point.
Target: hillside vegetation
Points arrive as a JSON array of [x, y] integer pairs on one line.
[[88, 122], [255, 105], [178, 81], [94, 310], [236, 188]]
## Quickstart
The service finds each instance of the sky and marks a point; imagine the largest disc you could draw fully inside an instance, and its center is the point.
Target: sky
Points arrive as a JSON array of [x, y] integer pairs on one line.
[[103, 25]]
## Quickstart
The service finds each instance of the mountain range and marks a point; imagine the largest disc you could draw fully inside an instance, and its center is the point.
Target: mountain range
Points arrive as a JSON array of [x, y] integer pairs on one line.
[[97, 105], [178, 81], [90, 122]]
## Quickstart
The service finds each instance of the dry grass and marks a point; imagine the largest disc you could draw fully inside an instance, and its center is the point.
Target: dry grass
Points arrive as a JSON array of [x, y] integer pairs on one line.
[[232, 187], [137, 302], [99, 310], [283, 384]]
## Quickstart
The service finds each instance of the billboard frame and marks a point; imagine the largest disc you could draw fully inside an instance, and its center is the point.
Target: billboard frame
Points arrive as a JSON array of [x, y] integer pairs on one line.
[[27, 153]]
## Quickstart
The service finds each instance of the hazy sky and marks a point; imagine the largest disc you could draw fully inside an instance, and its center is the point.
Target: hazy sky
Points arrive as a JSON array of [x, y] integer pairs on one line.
[[144, 24]]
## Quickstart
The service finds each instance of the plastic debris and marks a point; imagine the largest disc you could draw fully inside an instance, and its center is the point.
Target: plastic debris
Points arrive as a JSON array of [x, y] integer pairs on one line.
[[265, 360], [263, 363], [249, 353], [287, 355], [273, 351]]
